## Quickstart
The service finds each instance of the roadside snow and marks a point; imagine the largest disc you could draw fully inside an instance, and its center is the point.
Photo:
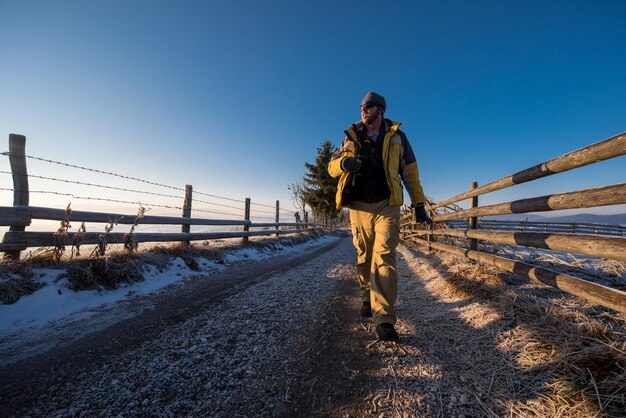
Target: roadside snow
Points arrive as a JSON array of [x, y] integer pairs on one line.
[[55, 304], [245, 353]]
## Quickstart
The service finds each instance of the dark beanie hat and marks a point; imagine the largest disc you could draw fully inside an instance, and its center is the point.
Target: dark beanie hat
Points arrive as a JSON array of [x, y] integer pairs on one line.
[[375, 98]]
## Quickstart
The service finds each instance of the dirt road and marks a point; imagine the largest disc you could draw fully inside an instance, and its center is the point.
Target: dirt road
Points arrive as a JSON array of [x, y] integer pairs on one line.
[[283, 337]]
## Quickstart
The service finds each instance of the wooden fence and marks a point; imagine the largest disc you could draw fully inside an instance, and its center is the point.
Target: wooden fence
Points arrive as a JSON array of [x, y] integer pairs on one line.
[[610, 247], [545, 226], [19, 216]]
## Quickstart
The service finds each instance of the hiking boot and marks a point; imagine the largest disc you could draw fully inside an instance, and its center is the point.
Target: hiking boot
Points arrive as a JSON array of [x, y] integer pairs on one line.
[[386, 332], [366, 309]]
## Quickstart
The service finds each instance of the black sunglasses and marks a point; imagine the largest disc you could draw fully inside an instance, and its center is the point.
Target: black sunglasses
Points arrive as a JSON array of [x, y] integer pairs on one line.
[[368, 105]]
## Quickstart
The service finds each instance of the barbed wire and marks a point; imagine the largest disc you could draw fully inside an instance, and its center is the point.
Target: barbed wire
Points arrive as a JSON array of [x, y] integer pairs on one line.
[[152, 205], [32, 157], [269, 206], [261, 211], [8, 153], [261, 204], [285, 211], [95, 185], [216, 204], [126, 190], [93, 170], [264, 217], [124, 201], [218, 213], [219, 197], [272, 207]]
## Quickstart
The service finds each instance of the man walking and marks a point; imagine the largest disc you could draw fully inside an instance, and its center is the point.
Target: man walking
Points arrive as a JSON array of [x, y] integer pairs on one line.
[[374, 156]]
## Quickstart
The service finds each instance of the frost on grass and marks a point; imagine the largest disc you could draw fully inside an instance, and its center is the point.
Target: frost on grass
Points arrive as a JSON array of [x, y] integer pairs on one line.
[[527, 349], [110, 268]]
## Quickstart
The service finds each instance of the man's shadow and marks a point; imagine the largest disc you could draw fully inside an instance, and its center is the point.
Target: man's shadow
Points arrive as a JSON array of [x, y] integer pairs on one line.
[[531, 350]]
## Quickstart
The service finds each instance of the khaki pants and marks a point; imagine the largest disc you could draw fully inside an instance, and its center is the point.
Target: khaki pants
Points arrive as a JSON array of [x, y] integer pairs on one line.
[[376, 233]]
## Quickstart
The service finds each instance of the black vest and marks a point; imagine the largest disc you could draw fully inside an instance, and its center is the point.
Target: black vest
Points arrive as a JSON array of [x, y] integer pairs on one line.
[[370, 182]]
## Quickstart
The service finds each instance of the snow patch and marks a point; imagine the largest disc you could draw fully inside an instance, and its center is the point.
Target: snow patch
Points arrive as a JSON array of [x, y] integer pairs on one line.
[[55, 304]]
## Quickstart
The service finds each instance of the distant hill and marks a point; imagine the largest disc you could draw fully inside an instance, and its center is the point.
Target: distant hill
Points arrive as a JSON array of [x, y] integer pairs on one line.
[[619, 219]]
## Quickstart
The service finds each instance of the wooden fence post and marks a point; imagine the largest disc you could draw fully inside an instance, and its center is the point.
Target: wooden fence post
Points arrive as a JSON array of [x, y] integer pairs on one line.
[[473, 221], [277, 217], [186, 228], [246, 216], [17, 159]]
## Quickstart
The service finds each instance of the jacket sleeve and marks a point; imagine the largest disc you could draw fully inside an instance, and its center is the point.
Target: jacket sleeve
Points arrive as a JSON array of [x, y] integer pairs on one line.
[[410, 172], [346, 150]]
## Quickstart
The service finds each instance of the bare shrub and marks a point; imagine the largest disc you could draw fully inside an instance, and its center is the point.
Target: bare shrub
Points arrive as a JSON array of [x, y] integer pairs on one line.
[[187, 253], [78, 239], [61, 233], [80, 277], [107, 272], [40, 257], [130, 244], [12, 289], [101, 247]]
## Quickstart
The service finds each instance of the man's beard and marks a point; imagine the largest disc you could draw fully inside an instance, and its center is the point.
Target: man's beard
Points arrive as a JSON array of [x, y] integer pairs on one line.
[[370, 118]]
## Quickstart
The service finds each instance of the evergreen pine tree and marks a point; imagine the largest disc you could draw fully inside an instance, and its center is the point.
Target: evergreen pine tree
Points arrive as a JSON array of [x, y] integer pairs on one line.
[[321, 187]]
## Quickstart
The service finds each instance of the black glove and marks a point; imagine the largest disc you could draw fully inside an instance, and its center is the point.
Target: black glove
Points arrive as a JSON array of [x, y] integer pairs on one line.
[[351, 164], [420, 214], [367, 166]]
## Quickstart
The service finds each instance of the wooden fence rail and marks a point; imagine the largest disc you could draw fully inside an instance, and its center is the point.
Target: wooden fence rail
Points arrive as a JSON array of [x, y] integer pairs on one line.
[[19, 216], [589, 198], [603, 150], [593, 292], [572, 227], [22, 215], [554, 237], [596, 246]]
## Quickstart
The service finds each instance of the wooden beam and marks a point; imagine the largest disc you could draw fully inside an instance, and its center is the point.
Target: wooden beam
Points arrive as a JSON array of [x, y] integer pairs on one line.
[[35, 212], [277, 218], [274, 224], [592, 292], [246, 216], [596, 246], [187, 207], [45, 239], [17, 160], [473, 221], [588, 198], [12, 247], [603, 150], [10, 215], [541, 223]]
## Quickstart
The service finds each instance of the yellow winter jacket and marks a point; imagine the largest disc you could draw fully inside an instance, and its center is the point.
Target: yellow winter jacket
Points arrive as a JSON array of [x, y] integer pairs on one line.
[[398, 160]]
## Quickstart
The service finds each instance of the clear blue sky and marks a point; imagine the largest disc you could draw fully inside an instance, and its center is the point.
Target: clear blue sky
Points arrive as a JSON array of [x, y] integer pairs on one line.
[[234, 96]]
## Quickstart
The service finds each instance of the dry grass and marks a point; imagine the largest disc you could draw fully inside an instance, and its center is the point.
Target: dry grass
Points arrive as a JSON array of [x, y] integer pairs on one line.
[[16, 280], [558, 355], [12, 288], [121, 264], [104, 272]]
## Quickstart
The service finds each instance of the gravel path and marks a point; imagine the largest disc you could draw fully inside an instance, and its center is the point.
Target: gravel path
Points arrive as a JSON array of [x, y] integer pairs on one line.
[[288, 341], [236, 356]]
